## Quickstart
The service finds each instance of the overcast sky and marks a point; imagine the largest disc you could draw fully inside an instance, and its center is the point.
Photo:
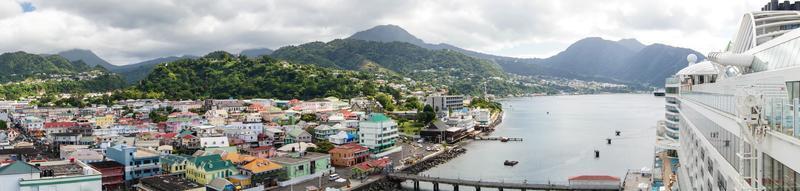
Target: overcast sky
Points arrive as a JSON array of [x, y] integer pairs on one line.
[[124, 31]]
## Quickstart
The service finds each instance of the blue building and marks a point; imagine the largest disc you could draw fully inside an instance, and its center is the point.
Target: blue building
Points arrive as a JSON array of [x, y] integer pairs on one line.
[[138, 162]]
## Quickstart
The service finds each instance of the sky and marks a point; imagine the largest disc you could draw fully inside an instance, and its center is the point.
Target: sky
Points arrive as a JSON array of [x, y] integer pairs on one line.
[[124, 31]]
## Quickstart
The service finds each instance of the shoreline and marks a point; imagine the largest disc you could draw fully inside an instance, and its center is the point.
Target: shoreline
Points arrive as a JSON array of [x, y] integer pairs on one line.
[[428, 162]]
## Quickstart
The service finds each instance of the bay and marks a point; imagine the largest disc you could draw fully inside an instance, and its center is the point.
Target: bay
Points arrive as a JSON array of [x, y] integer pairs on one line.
[[561, 144]]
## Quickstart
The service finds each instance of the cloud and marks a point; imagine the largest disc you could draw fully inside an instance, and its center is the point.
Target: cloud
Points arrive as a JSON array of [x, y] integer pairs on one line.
[[130, 31]]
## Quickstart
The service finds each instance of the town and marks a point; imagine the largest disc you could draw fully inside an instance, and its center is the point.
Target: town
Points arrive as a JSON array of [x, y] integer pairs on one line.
[[228, 144]]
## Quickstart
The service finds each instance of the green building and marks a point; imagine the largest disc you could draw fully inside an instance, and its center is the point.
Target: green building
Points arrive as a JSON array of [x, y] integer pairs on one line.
[[300, 167]]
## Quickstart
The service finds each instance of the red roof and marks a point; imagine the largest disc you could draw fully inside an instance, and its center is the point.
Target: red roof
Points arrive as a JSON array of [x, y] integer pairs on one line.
[[168, 135], [352, 147], [595, 177], [379, 163], [188, 136], [261, 148], [60, 124]]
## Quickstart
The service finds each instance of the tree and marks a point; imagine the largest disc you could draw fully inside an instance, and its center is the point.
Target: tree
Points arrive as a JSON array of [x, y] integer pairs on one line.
[[427, 115], [308, 117], [3, 125], [322, 147], [385, 100], [413, 103], [156, 117]]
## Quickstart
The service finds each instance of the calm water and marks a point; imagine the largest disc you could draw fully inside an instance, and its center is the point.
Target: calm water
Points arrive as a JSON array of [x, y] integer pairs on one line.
[[562, 144]]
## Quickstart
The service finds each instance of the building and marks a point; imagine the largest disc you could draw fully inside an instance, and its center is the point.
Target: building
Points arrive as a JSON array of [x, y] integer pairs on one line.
[[297, 135], [377, 166], [439, 131], [445, 102], [378, 133], [349, 154], [738, 122], [264, 172], [60, 175], [168, 183], [203, 169], [343, 137], [261, 151], [209, 142], [138, 162], [174, 165], [304, 166], [113, 174], [595, 181]]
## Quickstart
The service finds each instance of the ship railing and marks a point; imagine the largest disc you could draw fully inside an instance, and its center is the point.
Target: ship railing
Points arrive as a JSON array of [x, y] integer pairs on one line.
[[722, 102]]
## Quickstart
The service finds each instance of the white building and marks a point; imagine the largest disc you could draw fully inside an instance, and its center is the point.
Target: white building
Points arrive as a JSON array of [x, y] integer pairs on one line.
[[214, 141], [445, 102], [68, 175], [379, 134]]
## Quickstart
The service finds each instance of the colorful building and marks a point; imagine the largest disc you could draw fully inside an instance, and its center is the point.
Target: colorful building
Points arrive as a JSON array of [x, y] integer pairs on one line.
[[349, 154], [264, 172], [300, 167], [138, 162], [113, 174], [203, 169]]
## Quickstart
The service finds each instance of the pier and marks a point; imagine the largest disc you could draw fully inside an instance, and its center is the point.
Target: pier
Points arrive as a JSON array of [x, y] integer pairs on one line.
[[477, 184], [497, 138]]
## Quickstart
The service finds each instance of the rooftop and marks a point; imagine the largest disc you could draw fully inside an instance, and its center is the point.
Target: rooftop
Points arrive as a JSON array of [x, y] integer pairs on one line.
[[306, 157], [169, 183], [105, 164]]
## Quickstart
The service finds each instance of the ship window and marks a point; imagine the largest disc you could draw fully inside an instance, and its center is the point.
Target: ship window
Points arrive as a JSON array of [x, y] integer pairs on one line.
[[793, 88]]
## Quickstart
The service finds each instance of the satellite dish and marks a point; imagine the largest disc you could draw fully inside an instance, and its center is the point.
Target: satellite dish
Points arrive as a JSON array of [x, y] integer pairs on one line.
[[691, 58]]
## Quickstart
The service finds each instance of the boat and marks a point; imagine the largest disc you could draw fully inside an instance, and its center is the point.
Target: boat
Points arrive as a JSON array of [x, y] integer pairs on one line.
[[510, 162], [504, 139], [754, 82], [659, 92]]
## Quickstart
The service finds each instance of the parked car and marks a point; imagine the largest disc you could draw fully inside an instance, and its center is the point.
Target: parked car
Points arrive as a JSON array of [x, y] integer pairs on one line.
[[333, 177]]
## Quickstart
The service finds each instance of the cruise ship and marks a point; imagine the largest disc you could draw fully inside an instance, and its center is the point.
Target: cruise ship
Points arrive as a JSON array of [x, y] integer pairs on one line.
[[736, 113]]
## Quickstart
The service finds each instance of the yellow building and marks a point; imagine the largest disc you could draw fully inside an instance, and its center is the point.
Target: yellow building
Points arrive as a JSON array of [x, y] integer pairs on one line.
[[104, 121], [203, 169]]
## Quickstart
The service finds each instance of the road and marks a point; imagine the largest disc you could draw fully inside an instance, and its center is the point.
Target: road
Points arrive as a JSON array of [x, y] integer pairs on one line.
[[409, 149]]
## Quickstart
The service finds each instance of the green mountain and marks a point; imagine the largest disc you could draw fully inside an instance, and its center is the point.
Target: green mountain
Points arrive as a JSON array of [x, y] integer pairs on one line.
[[222, 75], [17, 66], [457, 72], [135, 72], [88, 57], [256, 52]]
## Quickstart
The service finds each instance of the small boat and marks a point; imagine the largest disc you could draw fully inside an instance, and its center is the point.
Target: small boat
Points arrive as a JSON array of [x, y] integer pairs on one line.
[[510, 162], [504, 139], [659, 92]]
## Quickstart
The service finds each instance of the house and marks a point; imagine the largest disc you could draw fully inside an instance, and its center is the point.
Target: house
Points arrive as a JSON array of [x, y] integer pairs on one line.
[[261, 151], [206, 142], [216, 117], [323, 132], [296, 135], [275, 135], [203, 169], [365, 169], [168, 183], [174, 164], [11, 174], [343, 137], [103, 121], [138, 162], [349, 154], [31, 123], [304, 166], [220, 184], [85, 155], [65, 138], [379, 134], [59, 127], [113, 174], [264, 172]]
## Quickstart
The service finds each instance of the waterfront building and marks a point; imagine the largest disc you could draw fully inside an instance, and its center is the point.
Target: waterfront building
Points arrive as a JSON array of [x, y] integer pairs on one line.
[[739, 125], [138, 162], [379, 134]]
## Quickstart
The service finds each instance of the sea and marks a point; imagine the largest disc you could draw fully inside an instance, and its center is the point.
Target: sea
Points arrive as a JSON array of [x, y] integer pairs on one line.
[[560, 135]]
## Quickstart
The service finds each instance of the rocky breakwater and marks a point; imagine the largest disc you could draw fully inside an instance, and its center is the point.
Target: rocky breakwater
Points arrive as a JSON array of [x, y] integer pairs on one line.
[[421, 166]]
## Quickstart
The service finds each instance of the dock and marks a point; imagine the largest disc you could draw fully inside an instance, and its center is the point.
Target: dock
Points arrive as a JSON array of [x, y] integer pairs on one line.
[[497, 139], [478, 184]]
